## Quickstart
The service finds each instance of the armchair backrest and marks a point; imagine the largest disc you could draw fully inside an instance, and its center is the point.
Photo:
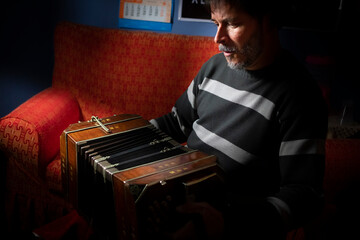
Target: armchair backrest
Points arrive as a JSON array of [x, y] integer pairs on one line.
[[112, 71]]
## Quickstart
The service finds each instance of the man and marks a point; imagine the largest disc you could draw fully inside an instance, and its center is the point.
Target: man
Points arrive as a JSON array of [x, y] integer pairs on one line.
[[257, 109]]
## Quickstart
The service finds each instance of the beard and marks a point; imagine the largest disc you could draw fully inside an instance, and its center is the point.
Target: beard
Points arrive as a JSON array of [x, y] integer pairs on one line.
[[246, 56]]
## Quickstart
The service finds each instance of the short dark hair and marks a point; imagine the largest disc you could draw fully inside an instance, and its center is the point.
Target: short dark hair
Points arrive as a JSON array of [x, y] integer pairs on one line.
[[276, 9]]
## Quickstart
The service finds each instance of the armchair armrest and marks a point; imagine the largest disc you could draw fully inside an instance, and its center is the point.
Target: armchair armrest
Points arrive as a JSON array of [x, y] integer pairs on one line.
[[30, 134]]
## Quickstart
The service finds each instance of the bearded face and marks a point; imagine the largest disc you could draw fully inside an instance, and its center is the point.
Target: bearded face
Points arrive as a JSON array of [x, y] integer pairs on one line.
[[239, 36]]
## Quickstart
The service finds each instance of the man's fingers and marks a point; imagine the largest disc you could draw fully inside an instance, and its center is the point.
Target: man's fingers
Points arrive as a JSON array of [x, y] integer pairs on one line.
[[212, 219]]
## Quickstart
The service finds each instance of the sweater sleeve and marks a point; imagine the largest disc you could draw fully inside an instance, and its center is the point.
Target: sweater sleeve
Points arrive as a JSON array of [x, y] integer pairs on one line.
[[302, 153], [178, 123]]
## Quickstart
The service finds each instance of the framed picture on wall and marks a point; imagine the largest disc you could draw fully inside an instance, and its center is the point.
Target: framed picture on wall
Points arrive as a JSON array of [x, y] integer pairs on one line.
[[193, 11], [146, 14]]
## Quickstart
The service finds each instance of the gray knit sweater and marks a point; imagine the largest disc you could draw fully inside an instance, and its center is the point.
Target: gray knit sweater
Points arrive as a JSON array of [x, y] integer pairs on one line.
[[267, 128]]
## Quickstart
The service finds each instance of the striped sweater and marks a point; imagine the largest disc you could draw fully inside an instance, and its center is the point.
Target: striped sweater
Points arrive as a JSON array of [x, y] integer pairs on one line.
[[267, 128]]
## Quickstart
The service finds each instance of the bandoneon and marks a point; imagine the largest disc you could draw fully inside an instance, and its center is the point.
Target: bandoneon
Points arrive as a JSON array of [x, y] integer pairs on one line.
[[127, 177]]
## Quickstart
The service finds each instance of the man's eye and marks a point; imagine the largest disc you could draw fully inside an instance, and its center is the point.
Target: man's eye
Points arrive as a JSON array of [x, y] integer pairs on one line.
[[234, 25]]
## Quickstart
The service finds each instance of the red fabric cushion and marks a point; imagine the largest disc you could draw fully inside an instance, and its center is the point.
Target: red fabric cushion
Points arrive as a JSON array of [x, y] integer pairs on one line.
[[34, 128], [20, 141], [342, 166]]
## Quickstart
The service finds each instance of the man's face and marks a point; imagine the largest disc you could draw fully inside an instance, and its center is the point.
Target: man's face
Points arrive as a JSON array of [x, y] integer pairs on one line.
[[239, 36]]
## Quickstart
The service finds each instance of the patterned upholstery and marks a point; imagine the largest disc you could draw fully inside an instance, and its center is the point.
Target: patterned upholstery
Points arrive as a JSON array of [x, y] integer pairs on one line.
[[31, 132], [342, 166], [112, 71]]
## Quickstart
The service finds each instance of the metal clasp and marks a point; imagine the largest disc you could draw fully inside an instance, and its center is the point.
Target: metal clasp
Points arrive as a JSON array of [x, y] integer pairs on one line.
[[96, 119]]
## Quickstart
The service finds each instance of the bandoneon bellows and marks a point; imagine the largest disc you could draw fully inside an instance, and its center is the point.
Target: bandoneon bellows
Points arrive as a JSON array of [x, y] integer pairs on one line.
[[127, 177]]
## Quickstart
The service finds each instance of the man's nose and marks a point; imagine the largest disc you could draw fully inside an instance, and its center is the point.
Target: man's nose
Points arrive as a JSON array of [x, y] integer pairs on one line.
[[221, 35]]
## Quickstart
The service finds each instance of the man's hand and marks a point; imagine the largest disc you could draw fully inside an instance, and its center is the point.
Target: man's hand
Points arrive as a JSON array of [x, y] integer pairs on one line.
[[209, 223]]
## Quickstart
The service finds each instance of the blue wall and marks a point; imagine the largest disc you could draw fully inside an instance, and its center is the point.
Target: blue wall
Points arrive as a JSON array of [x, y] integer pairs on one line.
[[26, 51], [26, 42], [105, 14]]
